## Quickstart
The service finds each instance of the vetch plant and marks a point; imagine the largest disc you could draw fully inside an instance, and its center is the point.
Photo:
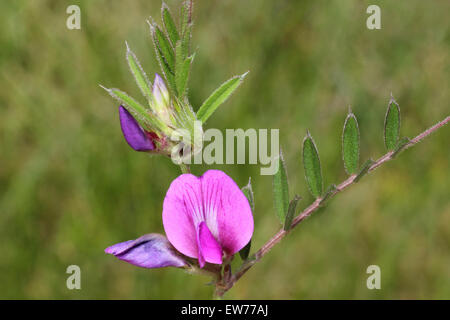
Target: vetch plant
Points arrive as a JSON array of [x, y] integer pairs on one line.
[[209, 219]]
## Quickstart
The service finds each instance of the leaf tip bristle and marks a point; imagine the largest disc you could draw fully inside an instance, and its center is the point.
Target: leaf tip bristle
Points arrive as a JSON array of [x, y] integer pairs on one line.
[[151, 23], [392, 100], [104, 88], [308, 134]]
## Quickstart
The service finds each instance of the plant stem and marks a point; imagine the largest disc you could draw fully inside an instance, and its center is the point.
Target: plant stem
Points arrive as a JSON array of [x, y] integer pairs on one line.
[[314, 206], [185, 168]]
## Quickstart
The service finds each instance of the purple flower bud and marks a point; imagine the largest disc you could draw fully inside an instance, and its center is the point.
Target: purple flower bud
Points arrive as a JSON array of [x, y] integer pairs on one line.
[[149, 251], [207, 216], [136, 137]]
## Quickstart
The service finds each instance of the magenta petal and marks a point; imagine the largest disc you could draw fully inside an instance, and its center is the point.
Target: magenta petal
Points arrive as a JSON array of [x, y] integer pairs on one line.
[[208, 248], [149, 251], [135, 136], [182, 201], [214, 199], [227, 210]]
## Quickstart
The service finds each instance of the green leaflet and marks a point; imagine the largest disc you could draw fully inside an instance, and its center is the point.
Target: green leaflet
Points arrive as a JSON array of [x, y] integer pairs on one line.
[[168, 75], [219, 96], [186, 14], [165, 48], [350, 144], [364, 170], [169, 25], [281, 190], [167, 72], [291, 212], [186, 26], [392, 125], [248, 192], [311, 163], [139, 74], [186, 40], [182, 68]]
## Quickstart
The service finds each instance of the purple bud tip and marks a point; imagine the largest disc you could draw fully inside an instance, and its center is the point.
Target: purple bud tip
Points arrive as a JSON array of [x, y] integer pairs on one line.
[[160, 92], [135, 136], [158, 81]]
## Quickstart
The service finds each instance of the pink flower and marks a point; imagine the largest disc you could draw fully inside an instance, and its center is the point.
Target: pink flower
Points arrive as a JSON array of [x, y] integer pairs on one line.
[[204, 218]]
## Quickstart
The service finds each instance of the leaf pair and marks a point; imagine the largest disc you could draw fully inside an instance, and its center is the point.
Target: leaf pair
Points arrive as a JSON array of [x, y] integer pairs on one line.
[[350, 155], [392, 141], [286, 209], [313, 175]]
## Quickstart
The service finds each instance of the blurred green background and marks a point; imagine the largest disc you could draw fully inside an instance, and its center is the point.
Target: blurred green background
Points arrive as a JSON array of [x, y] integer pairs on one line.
[[70, 186]]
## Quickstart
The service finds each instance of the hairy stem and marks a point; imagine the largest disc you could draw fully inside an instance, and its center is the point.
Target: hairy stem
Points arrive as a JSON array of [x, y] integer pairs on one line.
[[185, 168], [314, 206]]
